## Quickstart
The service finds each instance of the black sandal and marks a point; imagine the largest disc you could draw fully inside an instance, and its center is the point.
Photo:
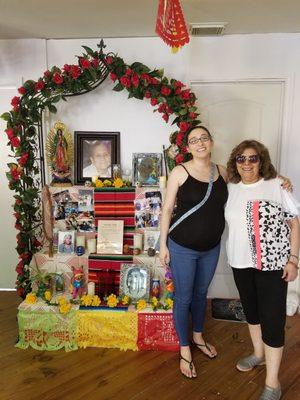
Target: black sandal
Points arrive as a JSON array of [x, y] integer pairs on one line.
[[206, 346], [190, 365]]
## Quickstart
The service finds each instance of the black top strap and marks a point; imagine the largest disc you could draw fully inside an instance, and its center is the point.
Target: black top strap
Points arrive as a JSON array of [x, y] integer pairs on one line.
[[218, 169], [185, 169]]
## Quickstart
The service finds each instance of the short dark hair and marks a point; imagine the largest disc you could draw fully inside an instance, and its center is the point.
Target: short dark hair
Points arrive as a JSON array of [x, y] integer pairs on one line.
[[266, 168], [190, 130]]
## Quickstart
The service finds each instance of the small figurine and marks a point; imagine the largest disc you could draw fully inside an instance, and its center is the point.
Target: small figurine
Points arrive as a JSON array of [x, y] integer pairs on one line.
[[169, 283], [77, 282], [151, 252]]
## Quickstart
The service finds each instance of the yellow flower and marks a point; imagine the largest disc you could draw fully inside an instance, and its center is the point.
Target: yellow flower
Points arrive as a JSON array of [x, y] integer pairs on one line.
[[118, 183], [61, 300], [112, 301], [125, 300], [99, 183], [169, 303], [30, 298], [96, 301], [141, 304], [154, 302], [65, 308], [48, 295], [86, 300], [107, 182]]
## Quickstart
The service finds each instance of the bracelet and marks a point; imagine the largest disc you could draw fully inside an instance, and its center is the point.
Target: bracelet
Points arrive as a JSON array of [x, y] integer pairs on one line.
[[294, 264], [293, 255]]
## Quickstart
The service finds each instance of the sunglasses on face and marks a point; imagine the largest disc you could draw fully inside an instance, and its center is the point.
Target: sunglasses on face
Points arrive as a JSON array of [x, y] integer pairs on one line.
[[203, 139], [240, 159]]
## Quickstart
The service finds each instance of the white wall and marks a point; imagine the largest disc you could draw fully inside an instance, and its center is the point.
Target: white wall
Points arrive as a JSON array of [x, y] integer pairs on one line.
[[228, 57]]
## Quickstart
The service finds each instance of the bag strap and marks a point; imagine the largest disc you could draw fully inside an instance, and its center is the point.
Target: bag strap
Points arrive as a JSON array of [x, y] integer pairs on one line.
[[202, 202]]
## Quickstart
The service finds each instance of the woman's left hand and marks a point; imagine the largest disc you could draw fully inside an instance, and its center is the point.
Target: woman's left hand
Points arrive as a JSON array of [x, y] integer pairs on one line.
[[286, 183], [290, 272]]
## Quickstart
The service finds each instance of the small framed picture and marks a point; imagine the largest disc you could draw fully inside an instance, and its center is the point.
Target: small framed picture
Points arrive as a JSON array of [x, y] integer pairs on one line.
[[135, 281], [95, 153], [151, 239], [147, 168], [66, 242]]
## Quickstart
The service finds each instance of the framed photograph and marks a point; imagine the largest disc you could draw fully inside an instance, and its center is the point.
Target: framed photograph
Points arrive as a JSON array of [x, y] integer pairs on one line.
[[85, 200], [151, 239], [66, 242], [95, 153], [135, 281], [147, 206], [147, 168], [110, 237]]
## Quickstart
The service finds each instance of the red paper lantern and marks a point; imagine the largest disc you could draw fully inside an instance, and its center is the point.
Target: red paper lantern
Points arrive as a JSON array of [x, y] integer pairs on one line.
[[170, 24]]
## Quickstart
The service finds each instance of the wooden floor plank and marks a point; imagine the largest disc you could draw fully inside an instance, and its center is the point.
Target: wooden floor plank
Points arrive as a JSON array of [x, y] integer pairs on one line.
[[108, 374]]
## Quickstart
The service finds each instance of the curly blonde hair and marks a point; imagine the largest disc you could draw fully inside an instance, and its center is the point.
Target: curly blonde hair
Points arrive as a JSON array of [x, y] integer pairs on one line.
[[266, 168]]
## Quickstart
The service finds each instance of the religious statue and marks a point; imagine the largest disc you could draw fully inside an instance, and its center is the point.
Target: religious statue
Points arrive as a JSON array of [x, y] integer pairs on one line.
[[59, 149]]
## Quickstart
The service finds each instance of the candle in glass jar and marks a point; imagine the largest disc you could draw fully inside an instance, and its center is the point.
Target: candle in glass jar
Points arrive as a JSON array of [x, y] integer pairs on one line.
[[80, 241], [162, 182], [91, 245], [138, 241], [91, 288]]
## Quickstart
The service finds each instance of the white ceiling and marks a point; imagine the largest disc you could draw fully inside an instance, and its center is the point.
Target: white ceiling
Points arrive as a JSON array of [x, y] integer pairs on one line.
[[124, 18]]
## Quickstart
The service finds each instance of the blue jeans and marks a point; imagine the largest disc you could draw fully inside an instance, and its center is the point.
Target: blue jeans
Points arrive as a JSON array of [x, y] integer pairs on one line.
[[192, 273]]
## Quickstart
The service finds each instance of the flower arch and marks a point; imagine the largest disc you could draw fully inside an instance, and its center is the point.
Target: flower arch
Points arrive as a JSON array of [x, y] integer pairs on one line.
[[169, 97]]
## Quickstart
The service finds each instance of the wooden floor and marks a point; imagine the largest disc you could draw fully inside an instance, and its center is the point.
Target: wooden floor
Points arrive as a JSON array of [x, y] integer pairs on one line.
[[106, 374]]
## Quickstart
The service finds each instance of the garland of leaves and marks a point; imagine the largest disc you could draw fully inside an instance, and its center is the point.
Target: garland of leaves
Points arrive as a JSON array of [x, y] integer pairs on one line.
[[171, 98]]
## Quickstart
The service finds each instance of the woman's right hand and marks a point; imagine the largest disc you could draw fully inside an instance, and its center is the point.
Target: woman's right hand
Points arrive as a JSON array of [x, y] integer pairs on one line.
[[164, 256]]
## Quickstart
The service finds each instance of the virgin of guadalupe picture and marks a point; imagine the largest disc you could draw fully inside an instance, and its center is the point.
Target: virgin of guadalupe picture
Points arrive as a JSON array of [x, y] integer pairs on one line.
[[59, 151]]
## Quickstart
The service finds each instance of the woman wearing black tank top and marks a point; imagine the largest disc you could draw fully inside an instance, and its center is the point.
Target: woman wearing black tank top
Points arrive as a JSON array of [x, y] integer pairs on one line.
[[192, 248]]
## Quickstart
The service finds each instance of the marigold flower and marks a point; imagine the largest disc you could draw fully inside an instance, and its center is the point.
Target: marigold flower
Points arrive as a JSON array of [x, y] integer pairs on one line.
[[61, 300], [48, 295], [141, 304], [169, 303], [112, 301], [99, 183], [118, 183], [65, 308], [96, 301], [125, 300], [30, 298]]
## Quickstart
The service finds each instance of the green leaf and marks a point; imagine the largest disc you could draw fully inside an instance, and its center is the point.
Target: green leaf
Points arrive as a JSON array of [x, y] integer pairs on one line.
[[160, 72], [6, 116], [55, 99], [118, 88], [52, 108], [88, 50], [184, 111]]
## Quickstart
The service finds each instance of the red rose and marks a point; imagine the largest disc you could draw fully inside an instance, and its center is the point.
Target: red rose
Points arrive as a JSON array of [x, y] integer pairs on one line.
[[185, 94], [178, 84], [23, 159], [15, 141], [18, 226], [15, 174], [10, 133], [17, 215], [192, 115], [84, 62], [165, 91], [19, 202], [178, 91], [162, 108], [128, 72], [166, 117], [184, 126], [147, 94], [57, 78], [135, 80], [47, 74], [15, 101], [39, 85], [179, 158], [36, 243], [95, 62], [67, 68], [169, 110], [153, 102], [125, 81], [146, 77], [25, 256], [75, 71], [20, 291], [19, 267], [179, 139], [154, 81], [113, 76], [22, 90], [109, 60]]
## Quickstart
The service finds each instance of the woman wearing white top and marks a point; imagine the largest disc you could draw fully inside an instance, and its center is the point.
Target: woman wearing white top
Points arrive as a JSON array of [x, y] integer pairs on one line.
[[262, 249]]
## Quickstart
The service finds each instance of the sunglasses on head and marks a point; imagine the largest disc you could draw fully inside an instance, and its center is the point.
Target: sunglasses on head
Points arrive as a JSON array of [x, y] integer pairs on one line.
[[240, 159]]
